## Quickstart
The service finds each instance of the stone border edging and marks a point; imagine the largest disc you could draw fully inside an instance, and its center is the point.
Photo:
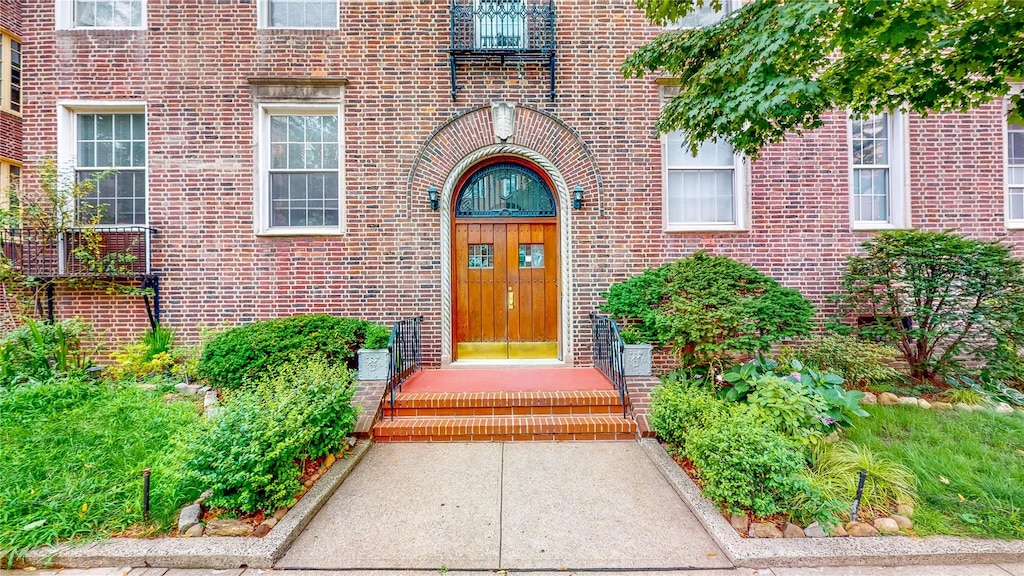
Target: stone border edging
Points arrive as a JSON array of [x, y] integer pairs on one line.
[[814, 552], [206, 552]]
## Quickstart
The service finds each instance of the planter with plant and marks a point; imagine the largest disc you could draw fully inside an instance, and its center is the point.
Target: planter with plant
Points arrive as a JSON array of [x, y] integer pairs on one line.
[[374, 357], [637, 354]]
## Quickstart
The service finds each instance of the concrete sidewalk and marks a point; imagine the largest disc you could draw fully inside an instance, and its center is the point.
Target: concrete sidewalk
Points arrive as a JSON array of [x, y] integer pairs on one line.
[[512, 506]]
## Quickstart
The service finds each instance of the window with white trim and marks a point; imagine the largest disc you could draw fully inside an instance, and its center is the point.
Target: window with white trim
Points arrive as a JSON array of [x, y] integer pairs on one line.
[[301, 179], [10, 182], [110, 151], [706, 15], [299, 14], [702, 192], [1015, 174], [877, 171], [10, 72], [118, 14]]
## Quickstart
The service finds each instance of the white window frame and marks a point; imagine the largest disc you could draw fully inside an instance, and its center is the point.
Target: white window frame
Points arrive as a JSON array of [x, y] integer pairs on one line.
[[263, 19], [67, 139], [740, 200], [729, 6], [6, 60], [262, 203], [1011, 223], [5, 178], [65, 17], [899, 176]]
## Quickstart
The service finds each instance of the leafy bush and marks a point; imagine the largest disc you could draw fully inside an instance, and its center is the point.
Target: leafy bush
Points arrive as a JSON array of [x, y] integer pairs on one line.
[[857, 361], [241, 354], [837, 467], [376, 337], [937, 296], [37, 351], [155, 354], [744, 464], [791, 408], [968, 396], [250, 457], [679, 406], [707, 308]]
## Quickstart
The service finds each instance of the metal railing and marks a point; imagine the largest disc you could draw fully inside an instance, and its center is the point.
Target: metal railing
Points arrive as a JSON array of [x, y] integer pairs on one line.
[[405, 350], [608, 349], [503, 26], [88, 252]]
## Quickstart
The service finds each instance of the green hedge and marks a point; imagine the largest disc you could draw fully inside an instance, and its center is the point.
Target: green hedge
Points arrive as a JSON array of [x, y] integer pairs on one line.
[[250, 459], [242, 354]]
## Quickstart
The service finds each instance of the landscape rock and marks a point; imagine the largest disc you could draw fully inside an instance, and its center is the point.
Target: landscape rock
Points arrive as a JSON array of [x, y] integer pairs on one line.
[[942, 405], [740, 522], [228, 528], [329, 461], [887, 525], [860, 529], [905, 510], [351, 441], [195, 531], [815, 530], [279, 514], [791, 530], [204, 389], [888, 399], [261, 530], [903, 522], [840, 532], [962, 406], [189, 517], [1003, 408], [924, 404], [210, 399], [869, 398], [270, 522], [183, 388], [203, 497], [908, 400], [764, 530]]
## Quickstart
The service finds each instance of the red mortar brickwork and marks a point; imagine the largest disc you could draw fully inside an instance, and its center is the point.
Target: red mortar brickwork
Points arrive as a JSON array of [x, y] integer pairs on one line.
[[10, 124], [191, 67]]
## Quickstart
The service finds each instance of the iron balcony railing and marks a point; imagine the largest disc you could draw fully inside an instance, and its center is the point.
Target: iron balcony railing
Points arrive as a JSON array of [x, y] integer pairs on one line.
[[608, 349], [503, 26], [405, 349], [88, 252]]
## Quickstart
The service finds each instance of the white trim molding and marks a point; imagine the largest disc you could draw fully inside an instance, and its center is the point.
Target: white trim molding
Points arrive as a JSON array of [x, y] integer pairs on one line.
[[898, 177]]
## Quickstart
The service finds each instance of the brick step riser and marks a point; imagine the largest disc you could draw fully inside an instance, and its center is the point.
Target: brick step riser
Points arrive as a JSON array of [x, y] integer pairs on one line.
[[504, 411], [604, 436]]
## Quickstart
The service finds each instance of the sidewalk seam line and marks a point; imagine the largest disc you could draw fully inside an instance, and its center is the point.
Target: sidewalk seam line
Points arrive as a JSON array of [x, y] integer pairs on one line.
[[501, 503]]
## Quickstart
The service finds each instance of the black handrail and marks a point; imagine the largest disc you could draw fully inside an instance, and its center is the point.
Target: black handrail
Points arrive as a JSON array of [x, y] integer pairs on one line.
[[608, 349], [86, 252], [405, 350]]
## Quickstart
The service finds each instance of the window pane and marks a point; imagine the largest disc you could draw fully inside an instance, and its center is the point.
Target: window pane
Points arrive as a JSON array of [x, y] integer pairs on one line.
[[108, 13], [304, 176], [703, 16], [871, 194], [1016, 144], [709, 153], [871, 141], [701, 197], [119, 198], [1016, 208], [302, 13]]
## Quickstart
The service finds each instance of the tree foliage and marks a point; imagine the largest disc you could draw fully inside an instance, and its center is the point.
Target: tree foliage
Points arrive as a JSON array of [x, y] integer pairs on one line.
[[776, 66], [938, 297]]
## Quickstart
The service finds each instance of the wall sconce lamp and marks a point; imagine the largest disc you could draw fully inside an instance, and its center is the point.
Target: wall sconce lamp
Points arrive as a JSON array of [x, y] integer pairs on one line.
[[577, 197], [432, 195]]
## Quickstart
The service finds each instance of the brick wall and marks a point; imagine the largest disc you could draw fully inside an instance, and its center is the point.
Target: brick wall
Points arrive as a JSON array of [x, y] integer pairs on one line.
[[10, 124], [191, 68]]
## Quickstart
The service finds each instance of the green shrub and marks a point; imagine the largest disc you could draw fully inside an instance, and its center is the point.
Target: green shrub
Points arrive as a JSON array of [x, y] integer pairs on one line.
[[857, 361], [790, 408], [37, 351], [745, 465], [376, 336], [679, 406], [250, 459], [241, 354], [937, 296], [837, 467], [707, 308]]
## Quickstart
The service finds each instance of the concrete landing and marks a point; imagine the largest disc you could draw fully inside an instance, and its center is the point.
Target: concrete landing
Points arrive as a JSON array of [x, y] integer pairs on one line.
[[490, 506]]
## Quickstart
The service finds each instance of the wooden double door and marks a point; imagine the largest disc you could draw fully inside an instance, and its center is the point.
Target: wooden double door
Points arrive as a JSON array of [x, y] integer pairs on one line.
[[506, 289]]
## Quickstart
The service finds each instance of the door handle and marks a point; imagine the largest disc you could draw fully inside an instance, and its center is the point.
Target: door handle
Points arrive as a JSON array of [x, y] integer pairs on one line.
[[511, 299]]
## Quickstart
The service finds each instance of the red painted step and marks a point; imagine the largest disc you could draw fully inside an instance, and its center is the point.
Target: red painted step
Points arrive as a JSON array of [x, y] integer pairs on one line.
[[505, 428]]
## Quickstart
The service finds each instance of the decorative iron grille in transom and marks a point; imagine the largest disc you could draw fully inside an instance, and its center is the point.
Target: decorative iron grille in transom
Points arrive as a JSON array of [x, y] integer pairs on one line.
[[502, 190]]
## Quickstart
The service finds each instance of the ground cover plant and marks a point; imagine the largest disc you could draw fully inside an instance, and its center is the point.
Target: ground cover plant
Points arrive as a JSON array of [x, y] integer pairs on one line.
[[708, 309], [246, 353], [969, 466], [72, 453]]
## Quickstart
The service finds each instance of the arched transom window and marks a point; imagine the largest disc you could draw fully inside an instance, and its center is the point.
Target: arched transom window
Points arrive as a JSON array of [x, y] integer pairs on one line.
[[503, 190]]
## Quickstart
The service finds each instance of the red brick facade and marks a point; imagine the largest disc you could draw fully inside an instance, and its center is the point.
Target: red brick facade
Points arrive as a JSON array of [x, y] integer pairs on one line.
[[10, 124], [191, 68]]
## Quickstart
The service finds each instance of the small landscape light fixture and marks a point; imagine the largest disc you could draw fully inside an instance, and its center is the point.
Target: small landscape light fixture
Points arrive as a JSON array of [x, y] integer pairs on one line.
[[577, 197], [432, 194]]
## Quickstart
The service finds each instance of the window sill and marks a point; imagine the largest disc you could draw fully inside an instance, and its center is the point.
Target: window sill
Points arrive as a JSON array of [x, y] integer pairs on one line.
[[673, 228], [1015, 224], [876, 226], [300, 231]]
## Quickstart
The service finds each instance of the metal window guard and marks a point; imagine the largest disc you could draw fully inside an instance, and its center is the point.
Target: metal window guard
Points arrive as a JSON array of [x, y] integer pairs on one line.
[[405, 351], [608, 349], [95, 252]]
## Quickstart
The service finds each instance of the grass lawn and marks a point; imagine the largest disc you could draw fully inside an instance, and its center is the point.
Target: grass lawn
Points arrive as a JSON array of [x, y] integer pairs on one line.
[[969, 466], [71, 461]]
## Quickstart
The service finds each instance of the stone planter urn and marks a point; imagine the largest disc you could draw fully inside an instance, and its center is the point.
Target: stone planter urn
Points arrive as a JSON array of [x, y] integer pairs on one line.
[[373, 364], [636, 359]]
